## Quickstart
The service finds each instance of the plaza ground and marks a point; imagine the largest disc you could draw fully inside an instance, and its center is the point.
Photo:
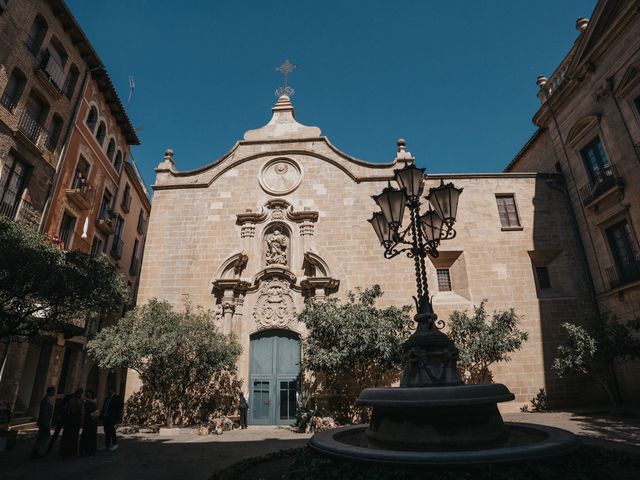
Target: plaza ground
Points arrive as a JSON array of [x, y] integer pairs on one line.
[[192, 457]]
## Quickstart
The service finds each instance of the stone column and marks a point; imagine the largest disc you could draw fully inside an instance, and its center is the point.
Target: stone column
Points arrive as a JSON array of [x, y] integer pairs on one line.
[[228, 307]]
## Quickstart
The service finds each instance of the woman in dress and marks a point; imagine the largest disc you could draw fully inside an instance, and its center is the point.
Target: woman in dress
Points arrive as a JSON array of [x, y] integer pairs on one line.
[[89, 437], [72, 424]]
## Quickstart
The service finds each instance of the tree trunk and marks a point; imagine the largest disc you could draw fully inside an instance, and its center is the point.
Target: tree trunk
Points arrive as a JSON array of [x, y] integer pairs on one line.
[[168, 411]]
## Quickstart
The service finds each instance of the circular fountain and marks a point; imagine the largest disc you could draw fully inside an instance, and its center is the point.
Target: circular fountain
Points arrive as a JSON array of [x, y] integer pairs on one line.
[[433, 417]]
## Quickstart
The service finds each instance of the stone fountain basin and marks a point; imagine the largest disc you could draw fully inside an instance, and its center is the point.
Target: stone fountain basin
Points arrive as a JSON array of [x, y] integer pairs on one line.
[[447, 396], [526, 442]]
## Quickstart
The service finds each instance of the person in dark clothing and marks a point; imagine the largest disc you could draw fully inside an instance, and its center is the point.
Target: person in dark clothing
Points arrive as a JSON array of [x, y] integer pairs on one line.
[[45, 415], [244, 408], [89, 437], [110, 414], [63, 411], [72, 424]]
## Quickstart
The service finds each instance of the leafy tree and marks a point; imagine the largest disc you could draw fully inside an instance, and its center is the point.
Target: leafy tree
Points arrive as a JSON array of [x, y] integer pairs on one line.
[[354, 343], [597, 349], [173, 352], [43, 289], [482, 343]]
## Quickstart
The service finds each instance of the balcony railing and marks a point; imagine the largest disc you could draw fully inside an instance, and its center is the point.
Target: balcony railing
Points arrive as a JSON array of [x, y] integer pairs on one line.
[[105, 221], [52, 70], [30, 125], [8, 102], [82, 194], [9, 210], [619, 276], [606, 179], [116, 248]]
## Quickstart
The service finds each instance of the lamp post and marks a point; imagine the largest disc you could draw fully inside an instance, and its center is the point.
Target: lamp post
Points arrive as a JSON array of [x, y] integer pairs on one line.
[[429, 355]]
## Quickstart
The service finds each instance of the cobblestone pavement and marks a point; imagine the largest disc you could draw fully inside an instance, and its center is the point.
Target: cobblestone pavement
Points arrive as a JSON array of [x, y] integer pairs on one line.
[[189, 456]]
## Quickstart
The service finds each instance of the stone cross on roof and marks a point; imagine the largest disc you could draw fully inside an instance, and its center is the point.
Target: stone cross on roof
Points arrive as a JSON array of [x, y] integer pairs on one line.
[[285, 69]]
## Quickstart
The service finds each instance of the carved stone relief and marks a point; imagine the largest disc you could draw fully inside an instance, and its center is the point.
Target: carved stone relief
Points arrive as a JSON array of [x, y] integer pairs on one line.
[[275, 307], [277, 247], [280, 176]]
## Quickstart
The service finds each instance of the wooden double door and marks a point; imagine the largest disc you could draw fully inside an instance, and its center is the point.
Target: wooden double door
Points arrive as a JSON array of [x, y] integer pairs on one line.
[[274, 377]]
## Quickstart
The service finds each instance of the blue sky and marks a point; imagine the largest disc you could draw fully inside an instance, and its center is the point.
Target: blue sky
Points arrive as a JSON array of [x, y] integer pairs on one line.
[[455, 79]]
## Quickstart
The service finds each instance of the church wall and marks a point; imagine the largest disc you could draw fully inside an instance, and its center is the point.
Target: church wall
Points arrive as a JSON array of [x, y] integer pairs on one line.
[[192, 231]]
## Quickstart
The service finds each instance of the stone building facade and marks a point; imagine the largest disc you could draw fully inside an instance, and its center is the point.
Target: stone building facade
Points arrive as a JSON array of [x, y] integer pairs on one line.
[[44, 62], [589, 131], [282, 217], [89, 193]]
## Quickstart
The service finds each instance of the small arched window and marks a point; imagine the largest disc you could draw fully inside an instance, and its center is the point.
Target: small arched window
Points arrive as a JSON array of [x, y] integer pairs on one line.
[[36, 34], [111, 149], [118, 162], [92, 119], [101, 133]]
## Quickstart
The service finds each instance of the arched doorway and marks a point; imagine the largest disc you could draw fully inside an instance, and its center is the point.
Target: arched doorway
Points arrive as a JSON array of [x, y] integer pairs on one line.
[[274, 377]]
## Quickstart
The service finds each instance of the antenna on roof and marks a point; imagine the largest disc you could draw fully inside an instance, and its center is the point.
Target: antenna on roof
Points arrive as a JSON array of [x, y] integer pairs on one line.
[[132, 86]]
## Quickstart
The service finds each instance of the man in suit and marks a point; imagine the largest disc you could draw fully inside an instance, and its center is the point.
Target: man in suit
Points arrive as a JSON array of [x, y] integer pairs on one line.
[[110, 414], [45, 415]]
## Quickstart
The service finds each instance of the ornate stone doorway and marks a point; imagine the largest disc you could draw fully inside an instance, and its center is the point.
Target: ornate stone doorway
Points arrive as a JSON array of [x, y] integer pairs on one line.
[[274, 377]]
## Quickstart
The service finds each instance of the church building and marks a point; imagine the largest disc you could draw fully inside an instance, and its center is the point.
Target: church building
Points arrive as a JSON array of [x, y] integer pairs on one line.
[[282, 218]]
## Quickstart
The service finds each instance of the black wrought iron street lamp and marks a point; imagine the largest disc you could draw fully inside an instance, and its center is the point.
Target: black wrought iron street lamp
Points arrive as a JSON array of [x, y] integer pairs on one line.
[[430, 356]]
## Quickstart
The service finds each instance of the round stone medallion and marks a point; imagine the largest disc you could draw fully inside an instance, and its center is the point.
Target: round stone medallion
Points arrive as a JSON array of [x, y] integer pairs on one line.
[[280, 176]]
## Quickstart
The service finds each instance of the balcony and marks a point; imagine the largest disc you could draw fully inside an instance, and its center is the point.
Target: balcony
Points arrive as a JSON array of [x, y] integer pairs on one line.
[[620, 276], [105, 221], [30, 126], [8, 102], [116, 248], [135, 265], [607, 180], [82, 194], [51, 73]]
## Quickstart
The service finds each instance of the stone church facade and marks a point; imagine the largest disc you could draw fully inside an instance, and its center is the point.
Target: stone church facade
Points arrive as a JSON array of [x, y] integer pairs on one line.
[[282, 218]]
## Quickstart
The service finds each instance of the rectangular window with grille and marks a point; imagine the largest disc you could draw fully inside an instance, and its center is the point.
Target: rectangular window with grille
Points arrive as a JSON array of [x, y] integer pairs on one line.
[[542, 274], [626, 256], [444, 279], [507, 211]]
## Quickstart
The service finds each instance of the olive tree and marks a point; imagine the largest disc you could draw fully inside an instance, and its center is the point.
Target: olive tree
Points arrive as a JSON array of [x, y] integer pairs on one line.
[[174, 352], [483, 342], [354, 344], [596, 349]]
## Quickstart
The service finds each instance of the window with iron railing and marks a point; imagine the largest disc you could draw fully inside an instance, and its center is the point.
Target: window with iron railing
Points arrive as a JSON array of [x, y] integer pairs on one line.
[[626, 256], [52, 69], [13, 90], [117, 244], [126, 198], [81, 174], [96, 246], [12, 183], [53, 135], [595, 160], [70, 82], [30, 125], [67, 227]]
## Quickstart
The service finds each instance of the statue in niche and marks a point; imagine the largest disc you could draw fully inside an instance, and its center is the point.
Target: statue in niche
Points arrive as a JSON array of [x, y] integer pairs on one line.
[[277, 244]]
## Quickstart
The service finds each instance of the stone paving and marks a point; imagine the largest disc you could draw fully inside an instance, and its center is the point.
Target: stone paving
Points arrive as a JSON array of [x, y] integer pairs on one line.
[[191, 457]]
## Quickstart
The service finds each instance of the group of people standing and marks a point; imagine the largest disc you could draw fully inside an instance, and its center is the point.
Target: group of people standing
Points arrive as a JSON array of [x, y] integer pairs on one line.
[[78, 411]]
